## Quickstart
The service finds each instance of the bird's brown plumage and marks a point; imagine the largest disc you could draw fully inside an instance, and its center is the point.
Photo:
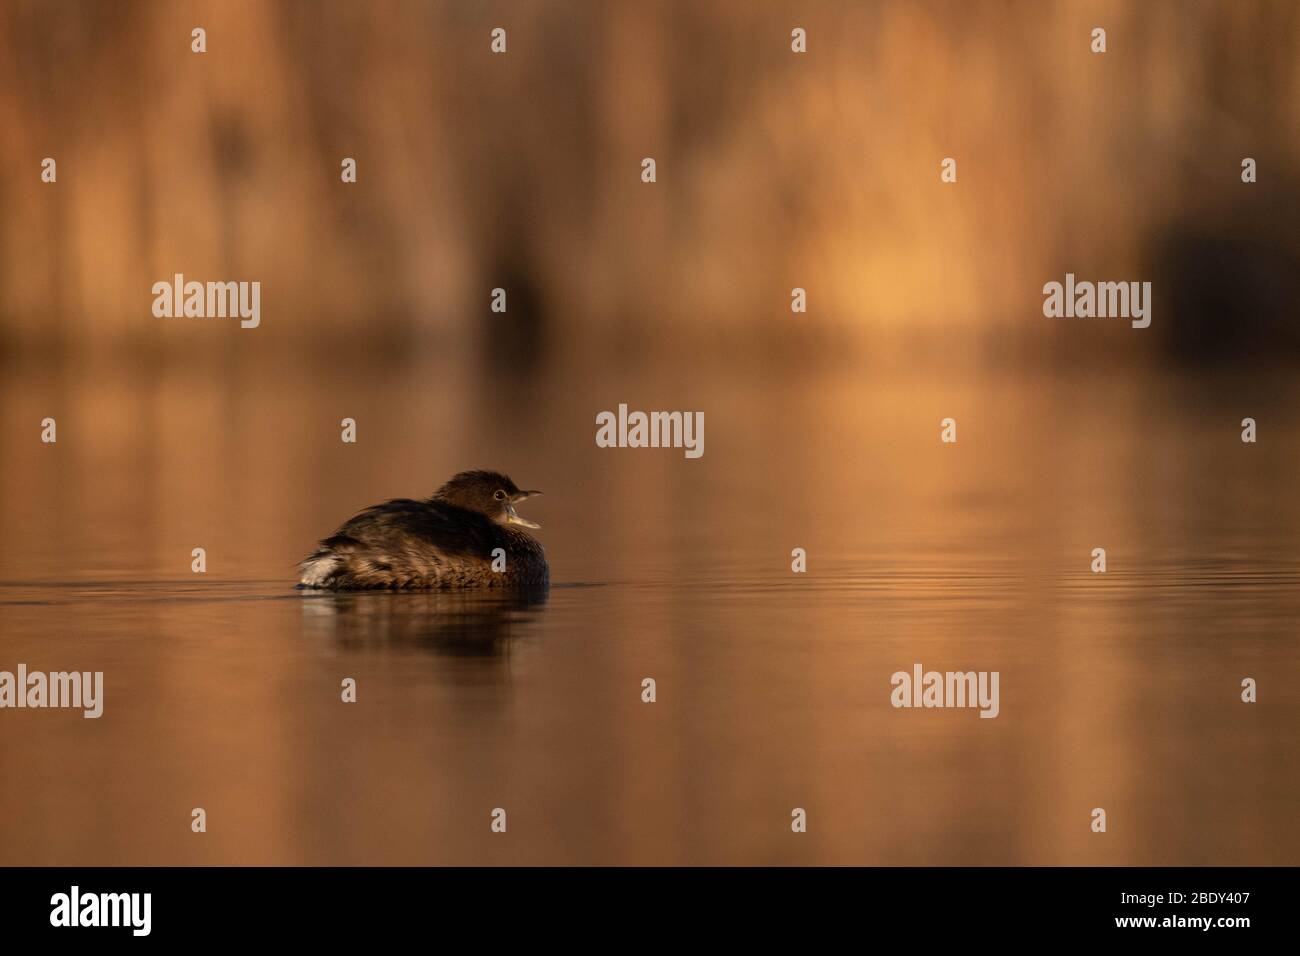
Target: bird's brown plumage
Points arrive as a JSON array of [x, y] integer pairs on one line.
[[449, 540]]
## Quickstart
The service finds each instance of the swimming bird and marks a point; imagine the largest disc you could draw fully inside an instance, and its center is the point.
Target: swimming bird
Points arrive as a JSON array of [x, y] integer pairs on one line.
[[466, 535]]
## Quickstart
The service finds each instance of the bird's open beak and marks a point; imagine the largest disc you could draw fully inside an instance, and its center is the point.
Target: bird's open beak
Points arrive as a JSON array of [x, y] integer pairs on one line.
[[512, 517]]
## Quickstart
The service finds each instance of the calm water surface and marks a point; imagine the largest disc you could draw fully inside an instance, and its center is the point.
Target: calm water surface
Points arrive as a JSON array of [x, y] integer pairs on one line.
[[223, 690]]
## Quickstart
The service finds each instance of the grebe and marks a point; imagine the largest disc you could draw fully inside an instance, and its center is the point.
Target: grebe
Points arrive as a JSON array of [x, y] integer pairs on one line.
[[465, 536]]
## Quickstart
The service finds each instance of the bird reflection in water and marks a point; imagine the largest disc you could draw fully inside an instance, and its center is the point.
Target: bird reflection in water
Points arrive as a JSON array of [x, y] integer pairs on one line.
[[445, 623]]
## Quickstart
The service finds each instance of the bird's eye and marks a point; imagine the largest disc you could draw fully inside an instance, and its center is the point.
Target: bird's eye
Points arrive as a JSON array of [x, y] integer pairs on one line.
[[500, 495]]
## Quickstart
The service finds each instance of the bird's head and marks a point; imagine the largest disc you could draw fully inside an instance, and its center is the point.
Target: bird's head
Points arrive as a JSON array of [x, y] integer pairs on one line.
[[490, 494]]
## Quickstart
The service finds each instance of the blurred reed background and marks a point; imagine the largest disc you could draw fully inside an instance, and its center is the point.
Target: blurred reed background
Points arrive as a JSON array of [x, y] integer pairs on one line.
[[775, 170]]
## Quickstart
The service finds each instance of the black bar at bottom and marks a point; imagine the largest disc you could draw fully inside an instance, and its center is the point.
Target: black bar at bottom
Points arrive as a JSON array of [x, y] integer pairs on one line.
[[336, 905]]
